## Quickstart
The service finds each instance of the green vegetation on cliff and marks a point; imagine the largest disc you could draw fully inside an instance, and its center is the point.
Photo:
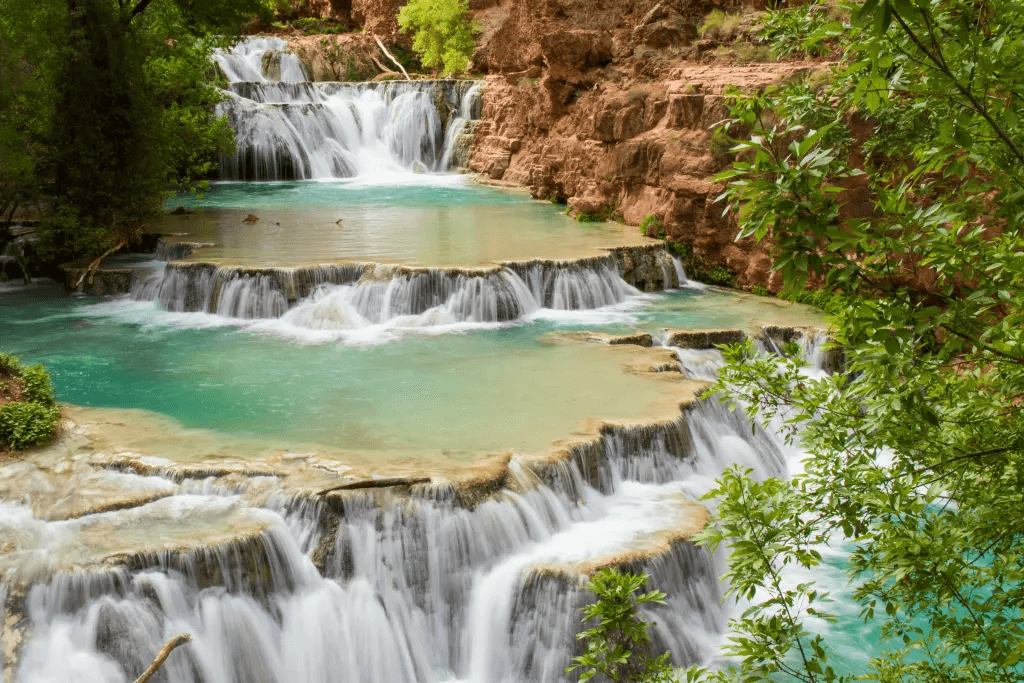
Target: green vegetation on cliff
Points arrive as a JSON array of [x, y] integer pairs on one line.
[[897, 184]]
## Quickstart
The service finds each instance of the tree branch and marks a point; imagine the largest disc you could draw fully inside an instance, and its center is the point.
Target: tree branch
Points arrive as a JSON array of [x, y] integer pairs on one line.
[[391, 57], [940, 63], [139, 8], [983, 347], [161, 656]]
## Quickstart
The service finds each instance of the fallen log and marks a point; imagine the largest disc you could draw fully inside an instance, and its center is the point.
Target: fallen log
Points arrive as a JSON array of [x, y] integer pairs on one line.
[[391, 57], [376, 484]]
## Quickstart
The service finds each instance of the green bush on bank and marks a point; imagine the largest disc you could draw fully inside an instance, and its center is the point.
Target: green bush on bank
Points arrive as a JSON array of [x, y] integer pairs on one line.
[[831, 302], [31, 418]]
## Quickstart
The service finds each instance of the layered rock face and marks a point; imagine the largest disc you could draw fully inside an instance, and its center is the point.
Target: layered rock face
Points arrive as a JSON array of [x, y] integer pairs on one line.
[[607, 148], [613, 116]]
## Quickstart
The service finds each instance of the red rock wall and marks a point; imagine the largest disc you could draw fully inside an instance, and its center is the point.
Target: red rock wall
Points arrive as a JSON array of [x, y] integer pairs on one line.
[[628, 149]]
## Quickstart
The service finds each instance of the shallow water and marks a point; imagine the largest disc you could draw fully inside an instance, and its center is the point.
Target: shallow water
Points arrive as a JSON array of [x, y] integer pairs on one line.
[[423, 220]]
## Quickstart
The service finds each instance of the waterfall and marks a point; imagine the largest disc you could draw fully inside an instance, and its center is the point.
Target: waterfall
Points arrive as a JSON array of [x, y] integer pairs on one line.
[[357, 295], [377, 586], [288, 128]]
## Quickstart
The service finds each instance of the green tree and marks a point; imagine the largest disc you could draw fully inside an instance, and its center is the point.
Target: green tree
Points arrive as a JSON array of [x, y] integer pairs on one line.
[[618, 644], [916, 448], [107, 110], [442, 33]]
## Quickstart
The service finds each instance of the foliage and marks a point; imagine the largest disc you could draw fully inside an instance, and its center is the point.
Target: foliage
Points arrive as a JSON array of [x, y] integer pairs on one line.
[[9, 365], [833, 302], [916, 450], [760, 290], [31, 420], [106, 108], [38, 388], [808, 29], [584, 217], [618, 644], [651, 224], [442, 33], [25, 424], [763, 525]]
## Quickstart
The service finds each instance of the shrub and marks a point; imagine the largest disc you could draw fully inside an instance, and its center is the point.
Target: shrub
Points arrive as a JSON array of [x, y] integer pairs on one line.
[[9, 365], [830, 302], [38, 388], [800, 30], [27, 424], [31, 419], [589, 218], [760, 290], [748, 52], [651, 224]]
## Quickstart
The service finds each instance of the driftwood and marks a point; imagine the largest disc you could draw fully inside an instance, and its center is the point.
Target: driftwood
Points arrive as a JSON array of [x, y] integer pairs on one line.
[[90, 270], [161, 656], [379, 65], [392, 58], [376, 484]]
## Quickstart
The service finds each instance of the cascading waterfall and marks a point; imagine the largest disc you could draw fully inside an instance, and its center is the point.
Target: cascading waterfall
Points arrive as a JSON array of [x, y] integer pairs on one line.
[[378, 586], [289, 128], [350, 296]]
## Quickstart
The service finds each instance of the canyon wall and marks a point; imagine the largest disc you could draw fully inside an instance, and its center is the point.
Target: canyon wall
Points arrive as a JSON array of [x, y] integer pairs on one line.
[[608, 106]]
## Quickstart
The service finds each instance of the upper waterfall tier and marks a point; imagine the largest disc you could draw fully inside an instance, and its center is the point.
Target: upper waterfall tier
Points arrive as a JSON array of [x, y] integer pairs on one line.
[[289, 128]]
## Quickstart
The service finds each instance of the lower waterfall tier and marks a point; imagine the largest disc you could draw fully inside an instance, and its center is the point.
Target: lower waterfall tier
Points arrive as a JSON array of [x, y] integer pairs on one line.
[[347, 296], [406, 584]]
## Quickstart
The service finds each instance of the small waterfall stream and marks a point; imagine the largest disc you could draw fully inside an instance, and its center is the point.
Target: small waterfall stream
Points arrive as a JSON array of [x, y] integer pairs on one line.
[[289, 128]]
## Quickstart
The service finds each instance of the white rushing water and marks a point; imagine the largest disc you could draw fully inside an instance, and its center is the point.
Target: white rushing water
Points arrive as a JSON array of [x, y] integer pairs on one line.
[[362, 297], [423, 588], [289, 128]]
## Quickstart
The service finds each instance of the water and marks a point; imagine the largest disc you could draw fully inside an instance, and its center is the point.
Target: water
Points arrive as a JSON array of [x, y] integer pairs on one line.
[[415, 220], [413, 391], [424, 590], [288, 128]]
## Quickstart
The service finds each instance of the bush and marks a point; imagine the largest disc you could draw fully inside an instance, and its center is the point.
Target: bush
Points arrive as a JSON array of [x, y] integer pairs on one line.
[[38, 388], [589, 218], [800, 30], [830, 302], [442, 33], [31, 417], [27, 424], [760, 290], [9, 365], [651, 224]]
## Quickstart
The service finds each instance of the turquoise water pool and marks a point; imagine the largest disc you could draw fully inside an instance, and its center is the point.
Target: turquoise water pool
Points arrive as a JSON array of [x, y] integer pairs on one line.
[[427, 221]]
